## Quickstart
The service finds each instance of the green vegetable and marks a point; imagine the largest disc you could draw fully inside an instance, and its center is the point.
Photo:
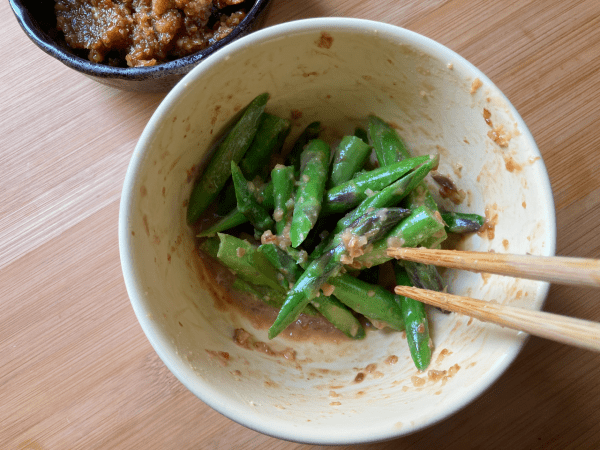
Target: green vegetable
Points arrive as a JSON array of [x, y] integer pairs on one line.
[[311, 186], [372, 301], [334, 311], [423, 276], [231, 149], [210, 246], [421, 196], [282, 261], [264, 196], [272, 297], [339, 315], [248, 264], [338, 199], [367, 299], [372, 226], [417, 325], [269, 296], [349, 157], [361, 133], [247, 203], [388, 146], [344, 263], [308, 134], [391, 195], [268, 140], [410, 232], [347, 195], [462, 222], [283, 192]]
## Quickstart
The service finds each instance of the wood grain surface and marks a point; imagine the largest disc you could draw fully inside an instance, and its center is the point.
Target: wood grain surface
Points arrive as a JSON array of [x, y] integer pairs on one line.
[[76, 370]]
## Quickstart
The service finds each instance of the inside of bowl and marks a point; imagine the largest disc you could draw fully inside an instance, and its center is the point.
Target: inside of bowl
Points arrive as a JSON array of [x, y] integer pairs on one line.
[[342, 391]]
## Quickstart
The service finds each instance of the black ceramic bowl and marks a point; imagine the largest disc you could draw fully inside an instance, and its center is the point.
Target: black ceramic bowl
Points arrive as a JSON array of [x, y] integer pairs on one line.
[[38, 20]]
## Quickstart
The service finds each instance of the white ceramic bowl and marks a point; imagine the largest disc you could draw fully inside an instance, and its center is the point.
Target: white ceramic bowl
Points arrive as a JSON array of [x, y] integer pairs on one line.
[[338, 71]]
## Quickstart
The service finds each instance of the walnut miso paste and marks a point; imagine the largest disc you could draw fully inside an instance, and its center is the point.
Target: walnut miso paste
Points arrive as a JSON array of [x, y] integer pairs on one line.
[[138, 33]]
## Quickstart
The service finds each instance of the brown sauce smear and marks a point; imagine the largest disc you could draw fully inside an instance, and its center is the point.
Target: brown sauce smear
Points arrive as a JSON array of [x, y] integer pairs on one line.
[[325, 41], [218, 281], [491, 220], [511, 165]]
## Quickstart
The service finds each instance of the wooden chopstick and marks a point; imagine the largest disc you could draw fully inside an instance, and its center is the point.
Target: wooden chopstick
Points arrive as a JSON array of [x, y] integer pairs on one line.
[[554, 269], [568, 330]]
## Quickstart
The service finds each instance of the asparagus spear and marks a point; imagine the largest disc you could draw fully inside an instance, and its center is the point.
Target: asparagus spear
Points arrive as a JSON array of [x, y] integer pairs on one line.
[[339, 315], [371, 227], [462, 222], [308, 134], [247, 203], [210, 246], [231, 149], [281, 261], [388, 146], [421, 196], [372, 301], [283, 191], [389, 149], [272, 297], [269, 138], [349, 157], [415, 318], [248, 264], [309, 196], [347, 195], [264, 196], [269, 296], [391, 195], [338, 199], [418, 226], [331, 308], [368, 299], [423, 276]]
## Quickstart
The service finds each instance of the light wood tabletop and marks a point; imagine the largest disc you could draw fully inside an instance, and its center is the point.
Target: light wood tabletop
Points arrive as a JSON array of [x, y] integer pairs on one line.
[[77, 372]]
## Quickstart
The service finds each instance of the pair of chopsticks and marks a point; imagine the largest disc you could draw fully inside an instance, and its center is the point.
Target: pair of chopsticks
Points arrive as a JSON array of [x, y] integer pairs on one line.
[[559, 270]]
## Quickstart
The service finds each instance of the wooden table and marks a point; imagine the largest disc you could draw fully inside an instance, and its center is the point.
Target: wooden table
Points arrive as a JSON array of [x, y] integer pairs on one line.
[[76, 370]]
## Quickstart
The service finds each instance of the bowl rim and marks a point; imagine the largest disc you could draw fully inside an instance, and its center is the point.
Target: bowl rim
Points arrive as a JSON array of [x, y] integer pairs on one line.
[[177, 66], [222, 403]]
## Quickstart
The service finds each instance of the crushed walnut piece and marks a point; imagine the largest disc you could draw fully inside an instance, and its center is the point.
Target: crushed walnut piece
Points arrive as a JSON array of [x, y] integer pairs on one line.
[[282, 241], [327, 289]]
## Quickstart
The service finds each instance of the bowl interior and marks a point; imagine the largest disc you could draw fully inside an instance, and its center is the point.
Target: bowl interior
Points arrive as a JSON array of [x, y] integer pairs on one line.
[[338, 71]]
